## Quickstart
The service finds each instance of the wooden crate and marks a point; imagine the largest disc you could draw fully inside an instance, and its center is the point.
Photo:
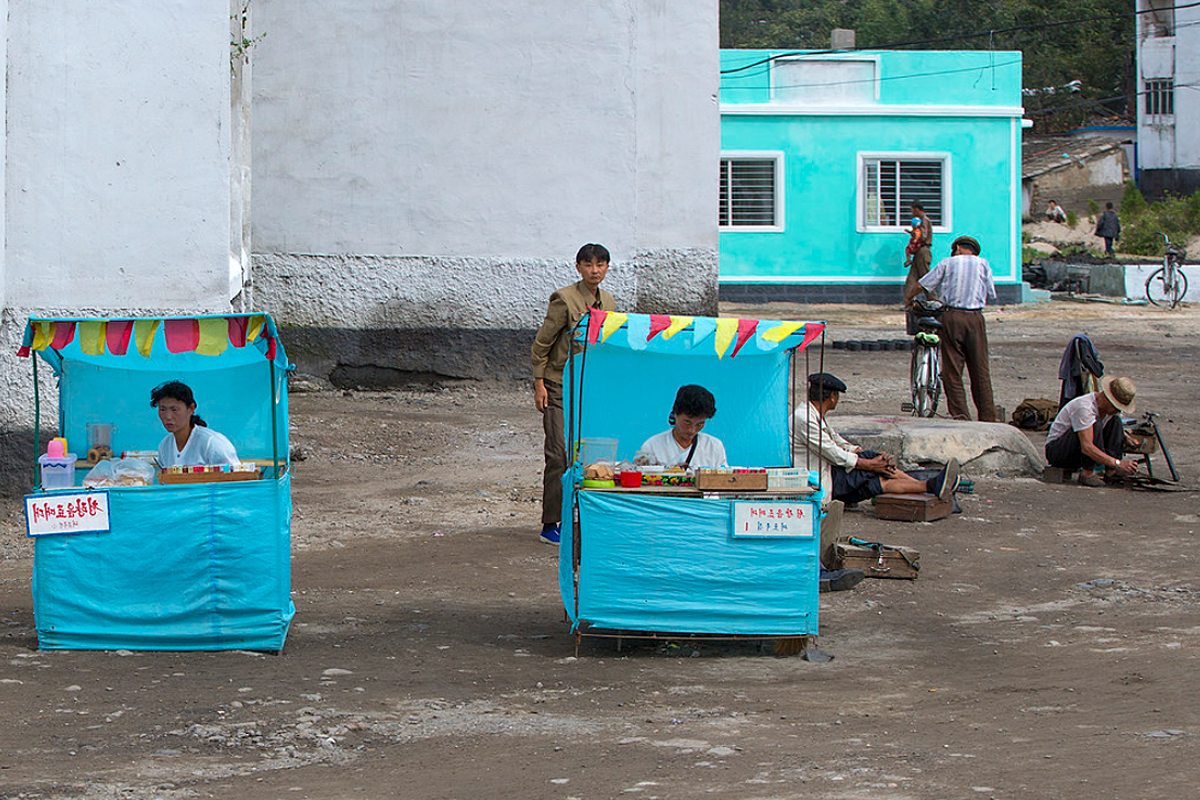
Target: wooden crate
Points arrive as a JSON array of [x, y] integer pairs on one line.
[[207, 477], [1057, 475], [725, 481], [922, 507], [894, 564]]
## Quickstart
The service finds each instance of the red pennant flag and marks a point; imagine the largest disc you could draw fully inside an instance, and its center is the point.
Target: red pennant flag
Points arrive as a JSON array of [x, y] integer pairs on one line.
[[182, 335], [270, 348], [811, 331], [595, 323], [658, 324], [117, 334], [64, 332], [237, 330], [746, 328]]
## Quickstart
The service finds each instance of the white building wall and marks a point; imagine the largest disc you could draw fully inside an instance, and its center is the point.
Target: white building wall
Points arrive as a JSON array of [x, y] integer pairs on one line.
[[420, 164], [118, 146], [119, 182], [1166, 142]]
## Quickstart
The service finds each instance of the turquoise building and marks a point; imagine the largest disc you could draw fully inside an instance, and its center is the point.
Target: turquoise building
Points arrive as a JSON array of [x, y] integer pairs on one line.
[[822, 153]]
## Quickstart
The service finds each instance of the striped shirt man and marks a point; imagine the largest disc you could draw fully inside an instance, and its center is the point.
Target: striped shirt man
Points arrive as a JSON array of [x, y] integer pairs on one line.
[[962, 281]]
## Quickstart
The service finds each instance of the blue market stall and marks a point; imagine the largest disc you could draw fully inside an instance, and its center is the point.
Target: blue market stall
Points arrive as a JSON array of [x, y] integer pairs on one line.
[[197, 566], [658, 560]]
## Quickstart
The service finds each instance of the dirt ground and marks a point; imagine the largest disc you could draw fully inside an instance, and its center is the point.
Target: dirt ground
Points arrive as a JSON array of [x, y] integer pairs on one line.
[[1048, 650]]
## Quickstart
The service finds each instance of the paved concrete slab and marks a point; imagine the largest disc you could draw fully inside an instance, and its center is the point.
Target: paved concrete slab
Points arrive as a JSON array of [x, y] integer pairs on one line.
[[981, 447]]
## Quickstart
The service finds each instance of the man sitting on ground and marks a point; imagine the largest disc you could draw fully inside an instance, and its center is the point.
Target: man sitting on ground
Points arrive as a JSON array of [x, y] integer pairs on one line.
[[1087, 434], [849, 473]]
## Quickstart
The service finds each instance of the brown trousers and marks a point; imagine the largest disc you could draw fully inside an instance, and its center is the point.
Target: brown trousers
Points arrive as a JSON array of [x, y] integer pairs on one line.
[[964, 343], [555, 451], [919, 269]]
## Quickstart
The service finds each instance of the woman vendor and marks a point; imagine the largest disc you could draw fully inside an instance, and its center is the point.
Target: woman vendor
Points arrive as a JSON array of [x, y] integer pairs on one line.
[[189, 441], [684, 444]]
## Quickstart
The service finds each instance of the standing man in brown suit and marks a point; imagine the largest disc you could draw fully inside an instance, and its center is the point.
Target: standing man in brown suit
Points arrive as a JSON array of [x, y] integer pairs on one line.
[[549, 354]]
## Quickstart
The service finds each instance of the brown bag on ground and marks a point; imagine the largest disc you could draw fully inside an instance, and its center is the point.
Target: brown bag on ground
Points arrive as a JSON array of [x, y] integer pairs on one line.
[[1035, 413]]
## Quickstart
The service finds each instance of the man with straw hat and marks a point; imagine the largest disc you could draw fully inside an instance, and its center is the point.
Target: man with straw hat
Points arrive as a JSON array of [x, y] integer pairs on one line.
[[1087, 434]]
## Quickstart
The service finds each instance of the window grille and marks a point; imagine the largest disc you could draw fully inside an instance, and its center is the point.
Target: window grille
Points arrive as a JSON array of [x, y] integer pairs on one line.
[[748, 192], [890, 185], [1160, 96]]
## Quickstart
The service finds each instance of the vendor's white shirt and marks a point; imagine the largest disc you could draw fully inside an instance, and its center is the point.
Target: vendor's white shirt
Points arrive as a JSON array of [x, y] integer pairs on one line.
[[663, 449], [205, 448], [1077, 415]]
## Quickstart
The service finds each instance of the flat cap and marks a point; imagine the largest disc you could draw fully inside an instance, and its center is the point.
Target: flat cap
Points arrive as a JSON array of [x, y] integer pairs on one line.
[[827, 382]]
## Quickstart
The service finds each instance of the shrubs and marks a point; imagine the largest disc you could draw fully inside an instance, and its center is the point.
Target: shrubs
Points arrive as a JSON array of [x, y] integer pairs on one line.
[[1141, 223], [1072, 219]]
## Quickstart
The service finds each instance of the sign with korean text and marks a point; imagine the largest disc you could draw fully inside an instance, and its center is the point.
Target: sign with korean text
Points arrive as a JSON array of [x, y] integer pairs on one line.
[[773, 520], [60, 514]]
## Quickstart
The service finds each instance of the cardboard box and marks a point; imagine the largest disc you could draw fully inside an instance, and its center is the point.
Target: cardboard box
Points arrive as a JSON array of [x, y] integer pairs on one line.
[[728, 480]]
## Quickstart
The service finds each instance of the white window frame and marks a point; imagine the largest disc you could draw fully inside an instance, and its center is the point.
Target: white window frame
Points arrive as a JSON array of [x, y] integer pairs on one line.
[[860, 197], [875, 60], [1160, 91], [757, 155]]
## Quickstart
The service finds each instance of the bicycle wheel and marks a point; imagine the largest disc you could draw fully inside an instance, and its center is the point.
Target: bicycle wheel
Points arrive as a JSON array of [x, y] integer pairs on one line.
[[1166, 294], [925, 380], [931, 384]]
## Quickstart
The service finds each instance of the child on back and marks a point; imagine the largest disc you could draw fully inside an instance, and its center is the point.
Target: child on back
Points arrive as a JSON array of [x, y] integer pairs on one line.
[[549, 354]]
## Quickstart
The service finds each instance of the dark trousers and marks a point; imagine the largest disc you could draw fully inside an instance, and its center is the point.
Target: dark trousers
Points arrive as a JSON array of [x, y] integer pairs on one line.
[[1108, 246], [1065, 452], [555, 451], [964, 343]]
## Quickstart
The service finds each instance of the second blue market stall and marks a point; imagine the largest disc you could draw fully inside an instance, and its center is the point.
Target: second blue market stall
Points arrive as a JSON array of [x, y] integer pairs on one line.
[[192, 566], [681, 560]]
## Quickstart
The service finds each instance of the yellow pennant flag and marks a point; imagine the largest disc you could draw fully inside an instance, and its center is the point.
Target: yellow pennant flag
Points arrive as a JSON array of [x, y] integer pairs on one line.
[[677, 324], [91, 337], [214, 336], [255, 328], [143, 334], [612, 322], [781, 331], [43, 334], [726, 331]]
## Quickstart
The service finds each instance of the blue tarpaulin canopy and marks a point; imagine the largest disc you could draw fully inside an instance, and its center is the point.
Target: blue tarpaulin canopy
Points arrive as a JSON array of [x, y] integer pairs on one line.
[[637, 562], [202, 566]]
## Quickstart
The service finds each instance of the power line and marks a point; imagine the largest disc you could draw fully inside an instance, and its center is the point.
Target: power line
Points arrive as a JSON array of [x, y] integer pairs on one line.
[[966, 36]]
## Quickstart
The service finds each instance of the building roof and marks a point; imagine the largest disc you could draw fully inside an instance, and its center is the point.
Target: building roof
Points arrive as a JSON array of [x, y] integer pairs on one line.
[[1042, 154]]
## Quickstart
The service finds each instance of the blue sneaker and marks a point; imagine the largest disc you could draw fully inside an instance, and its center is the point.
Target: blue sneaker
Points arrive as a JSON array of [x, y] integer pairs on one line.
[[550, 532]]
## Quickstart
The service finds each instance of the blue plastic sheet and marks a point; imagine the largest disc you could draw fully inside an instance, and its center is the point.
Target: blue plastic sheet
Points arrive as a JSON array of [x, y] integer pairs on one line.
[[185, 567], [671, 564]]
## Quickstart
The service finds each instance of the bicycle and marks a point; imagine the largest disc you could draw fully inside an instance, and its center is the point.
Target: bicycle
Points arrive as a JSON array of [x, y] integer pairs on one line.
[[1167, 285], [925, 377]]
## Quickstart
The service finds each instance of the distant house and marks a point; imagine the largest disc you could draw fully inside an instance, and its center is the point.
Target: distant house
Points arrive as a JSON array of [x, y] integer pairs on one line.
[[1168, 58], [1072, 170], [821, 154]]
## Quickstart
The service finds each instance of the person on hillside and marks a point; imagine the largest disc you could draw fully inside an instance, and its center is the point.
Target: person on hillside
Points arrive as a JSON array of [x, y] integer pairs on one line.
[[549, 353], [1108, 228], [1055, 213]]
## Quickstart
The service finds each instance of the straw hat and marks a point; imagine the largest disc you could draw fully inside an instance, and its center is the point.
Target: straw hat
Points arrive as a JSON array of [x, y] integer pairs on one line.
[[1120, 392]]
